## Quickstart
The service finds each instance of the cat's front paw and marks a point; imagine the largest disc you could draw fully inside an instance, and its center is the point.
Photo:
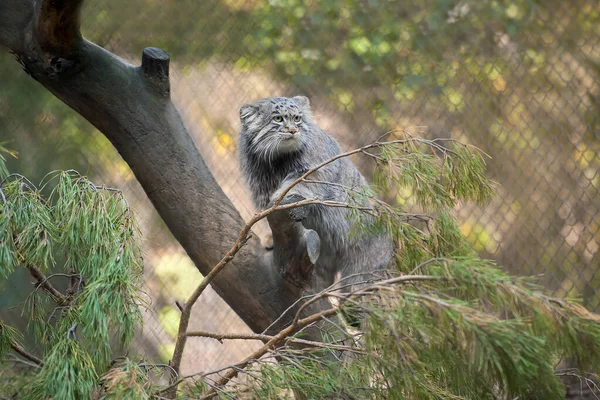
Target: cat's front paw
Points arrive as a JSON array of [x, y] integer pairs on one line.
[[298, 214]]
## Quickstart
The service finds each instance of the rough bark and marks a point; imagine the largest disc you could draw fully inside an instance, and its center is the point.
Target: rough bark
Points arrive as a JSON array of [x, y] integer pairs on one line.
[[131, 106]]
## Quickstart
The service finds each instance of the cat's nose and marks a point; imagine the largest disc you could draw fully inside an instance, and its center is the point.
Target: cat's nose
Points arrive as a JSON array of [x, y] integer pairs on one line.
[[293, 131]]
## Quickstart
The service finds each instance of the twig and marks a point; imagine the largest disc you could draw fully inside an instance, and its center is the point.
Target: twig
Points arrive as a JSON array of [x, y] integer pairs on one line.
[[263, 360], [3, 198], [204, 375], [54, 312], [232, 373], [591, 385], [255, 336], [334, 286], [19, 176], [377, 144], [149, 367], [22, 352], [425, 263], [378, 285], [15, 359], [72, 332], [42, 281], [230, 336]]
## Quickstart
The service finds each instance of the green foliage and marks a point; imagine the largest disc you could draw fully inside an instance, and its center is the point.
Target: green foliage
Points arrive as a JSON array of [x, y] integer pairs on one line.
[[8, 336], [437, 180], [7, 251], [88, 235], [3, 169], [6, 244], [30, 225], [68, 373], [467, 330], [316, 376], [473, 333], [444, 323]]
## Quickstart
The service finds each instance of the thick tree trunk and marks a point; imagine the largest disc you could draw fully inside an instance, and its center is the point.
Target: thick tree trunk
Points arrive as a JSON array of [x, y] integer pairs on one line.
[[132, 107]]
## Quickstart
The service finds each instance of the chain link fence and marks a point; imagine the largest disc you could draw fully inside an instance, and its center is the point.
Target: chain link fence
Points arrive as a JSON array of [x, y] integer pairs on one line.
[[519, 79]]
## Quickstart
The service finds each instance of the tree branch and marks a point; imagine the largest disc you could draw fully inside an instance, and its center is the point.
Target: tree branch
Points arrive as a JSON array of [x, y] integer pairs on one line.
[[57, 27], [304, 254], [42, 281], [280, 337], [230, 336], [265, 338], [22, 352], [131, 106], [298, 324]]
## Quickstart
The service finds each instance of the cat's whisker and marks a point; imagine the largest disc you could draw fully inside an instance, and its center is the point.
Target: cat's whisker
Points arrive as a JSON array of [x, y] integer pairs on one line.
[[275, 143]]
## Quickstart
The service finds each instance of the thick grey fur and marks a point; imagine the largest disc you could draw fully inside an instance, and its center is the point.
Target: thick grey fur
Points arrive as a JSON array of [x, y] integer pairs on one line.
[[278, 142]]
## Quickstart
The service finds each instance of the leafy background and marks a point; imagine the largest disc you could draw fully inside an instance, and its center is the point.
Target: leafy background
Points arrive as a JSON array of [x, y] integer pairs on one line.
[[520, 79]]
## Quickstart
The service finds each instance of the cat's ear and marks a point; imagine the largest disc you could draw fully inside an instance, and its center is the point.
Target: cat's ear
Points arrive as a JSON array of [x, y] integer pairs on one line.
[[303, 103], [247, 113]]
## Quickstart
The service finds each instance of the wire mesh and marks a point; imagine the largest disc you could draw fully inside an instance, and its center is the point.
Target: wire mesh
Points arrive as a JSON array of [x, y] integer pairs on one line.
[[519, 79]]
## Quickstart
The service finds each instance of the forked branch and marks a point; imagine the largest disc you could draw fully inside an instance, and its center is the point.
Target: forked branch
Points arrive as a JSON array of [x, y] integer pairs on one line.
[[43, 281], [25, 354], [58, 27]]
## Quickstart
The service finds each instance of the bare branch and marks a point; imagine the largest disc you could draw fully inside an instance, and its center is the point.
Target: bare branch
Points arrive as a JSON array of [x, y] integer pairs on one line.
[[231, 336], [15, 359], [43, 281], [187, 308], [265, 338], [25, 354], [280, 337]]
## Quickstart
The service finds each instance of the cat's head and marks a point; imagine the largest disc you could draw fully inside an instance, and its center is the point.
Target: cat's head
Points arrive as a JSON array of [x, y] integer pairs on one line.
[[276, 126]]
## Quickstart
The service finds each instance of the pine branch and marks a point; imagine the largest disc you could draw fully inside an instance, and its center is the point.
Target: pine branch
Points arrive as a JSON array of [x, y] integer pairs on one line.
[[25, 354], [43, 281], [280, 337], [299, 324]]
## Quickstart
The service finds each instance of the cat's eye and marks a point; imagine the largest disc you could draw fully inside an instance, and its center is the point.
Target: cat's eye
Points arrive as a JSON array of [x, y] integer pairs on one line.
[[278, 118], [297, 118]]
